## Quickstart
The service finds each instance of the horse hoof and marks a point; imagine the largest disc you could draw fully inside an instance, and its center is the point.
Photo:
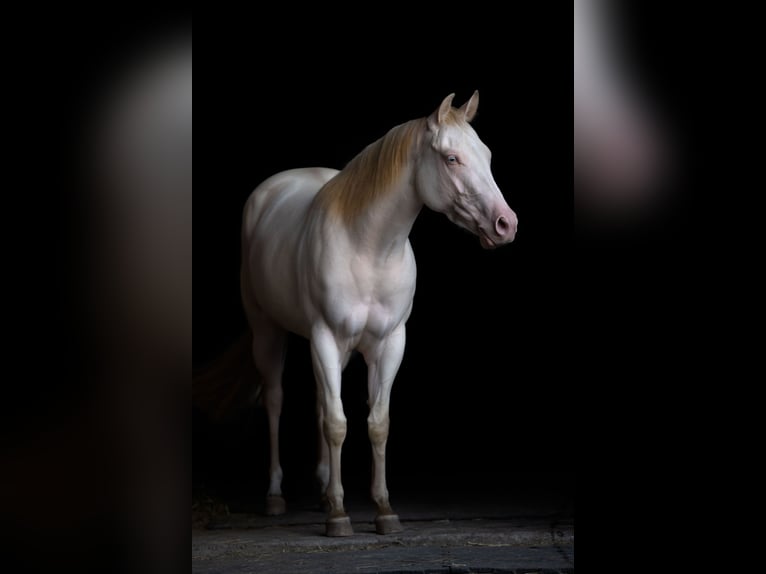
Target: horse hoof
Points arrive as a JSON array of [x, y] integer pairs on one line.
[[388, 524], [275, 505], [339, 526]]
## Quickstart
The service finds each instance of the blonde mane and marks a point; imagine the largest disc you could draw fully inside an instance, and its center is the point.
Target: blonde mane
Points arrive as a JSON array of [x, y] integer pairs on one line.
[[372, 173]]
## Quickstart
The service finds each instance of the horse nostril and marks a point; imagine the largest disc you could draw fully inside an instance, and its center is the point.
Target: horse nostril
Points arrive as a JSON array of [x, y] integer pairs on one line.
[[502, 226]]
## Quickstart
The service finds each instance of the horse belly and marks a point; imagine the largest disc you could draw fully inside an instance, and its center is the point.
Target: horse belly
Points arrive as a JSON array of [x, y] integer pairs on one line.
[[275, 285]]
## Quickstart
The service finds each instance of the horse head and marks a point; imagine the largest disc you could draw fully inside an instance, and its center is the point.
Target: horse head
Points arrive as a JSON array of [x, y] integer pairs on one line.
[[453, 175]]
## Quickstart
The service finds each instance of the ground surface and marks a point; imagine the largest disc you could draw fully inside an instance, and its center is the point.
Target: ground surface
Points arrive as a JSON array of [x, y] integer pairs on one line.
[[472, 536]]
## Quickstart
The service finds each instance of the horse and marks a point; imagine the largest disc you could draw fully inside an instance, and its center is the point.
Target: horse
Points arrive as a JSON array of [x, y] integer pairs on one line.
[[326, 255]]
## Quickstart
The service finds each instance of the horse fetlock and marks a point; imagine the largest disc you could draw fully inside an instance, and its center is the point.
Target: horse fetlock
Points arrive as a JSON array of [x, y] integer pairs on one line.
[[275, 472], [380, 498], [335, 500], [275, 482]]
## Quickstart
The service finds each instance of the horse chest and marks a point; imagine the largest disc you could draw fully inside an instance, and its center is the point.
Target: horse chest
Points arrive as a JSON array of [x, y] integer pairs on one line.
[[369, 308]]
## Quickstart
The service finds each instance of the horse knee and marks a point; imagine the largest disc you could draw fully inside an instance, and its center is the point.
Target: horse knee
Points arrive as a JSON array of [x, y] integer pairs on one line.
[[378, 430], [335, 429]]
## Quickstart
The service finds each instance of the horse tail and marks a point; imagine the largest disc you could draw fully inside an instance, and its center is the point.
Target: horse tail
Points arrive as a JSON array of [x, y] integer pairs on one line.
[[230, 383]]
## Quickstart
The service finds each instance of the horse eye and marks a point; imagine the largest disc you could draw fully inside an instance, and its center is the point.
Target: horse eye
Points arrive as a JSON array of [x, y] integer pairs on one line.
[[451, 159]]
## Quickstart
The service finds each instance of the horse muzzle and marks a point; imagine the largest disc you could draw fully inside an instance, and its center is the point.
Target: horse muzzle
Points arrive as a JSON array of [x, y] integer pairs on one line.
[[503, 230]]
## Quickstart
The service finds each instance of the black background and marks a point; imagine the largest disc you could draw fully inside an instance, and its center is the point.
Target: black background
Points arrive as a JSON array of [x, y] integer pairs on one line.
[[510, 352], [584, 351], [480, 399]]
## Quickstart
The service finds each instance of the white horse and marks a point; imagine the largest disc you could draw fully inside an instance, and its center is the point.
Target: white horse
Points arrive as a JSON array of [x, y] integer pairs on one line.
[[326, 255]]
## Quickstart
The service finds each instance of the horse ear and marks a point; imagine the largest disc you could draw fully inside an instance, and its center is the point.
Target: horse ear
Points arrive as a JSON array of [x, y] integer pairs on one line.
[[469, 108], [438, 117]]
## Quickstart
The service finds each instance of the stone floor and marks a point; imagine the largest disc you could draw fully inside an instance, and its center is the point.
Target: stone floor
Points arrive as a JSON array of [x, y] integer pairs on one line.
[[471, 536]]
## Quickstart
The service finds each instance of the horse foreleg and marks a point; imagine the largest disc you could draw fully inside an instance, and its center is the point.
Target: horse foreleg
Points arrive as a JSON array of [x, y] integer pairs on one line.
[[327, 363], [383, 363]]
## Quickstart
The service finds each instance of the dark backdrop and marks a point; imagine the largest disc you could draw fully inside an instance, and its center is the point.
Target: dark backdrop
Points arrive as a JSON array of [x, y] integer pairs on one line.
[[478, 390], [507, 350]]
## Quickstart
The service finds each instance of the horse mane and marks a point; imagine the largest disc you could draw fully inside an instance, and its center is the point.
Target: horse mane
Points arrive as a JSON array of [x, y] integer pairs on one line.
[[372, 173]]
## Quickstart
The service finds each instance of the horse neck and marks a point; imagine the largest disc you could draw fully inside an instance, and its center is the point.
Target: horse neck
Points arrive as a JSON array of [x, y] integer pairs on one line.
[[381, 231]]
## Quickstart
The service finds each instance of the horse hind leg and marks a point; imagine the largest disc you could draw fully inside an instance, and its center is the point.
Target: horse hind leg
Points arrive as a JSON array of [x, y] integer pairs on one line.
[[323, 454], [269, 356]]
